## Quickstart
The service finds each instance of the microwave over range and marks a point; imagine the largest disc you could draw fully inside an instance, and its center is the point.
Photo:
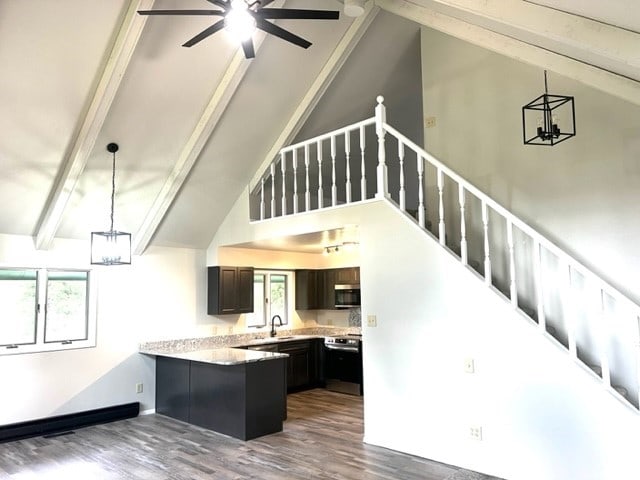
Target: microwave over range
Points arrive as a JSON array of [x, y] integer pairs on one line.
[[347, 296]]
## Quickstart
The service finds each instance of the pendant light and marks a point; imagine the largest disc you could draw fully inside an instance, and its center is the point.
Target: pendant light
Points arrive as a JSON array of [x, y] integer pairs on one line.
[[549, 119], [112, 247]]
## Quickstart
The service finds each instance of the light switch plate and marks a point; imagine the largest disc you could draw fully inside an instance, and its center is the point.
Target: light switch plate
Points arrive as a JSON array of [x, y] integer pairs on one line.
[[469, 365]]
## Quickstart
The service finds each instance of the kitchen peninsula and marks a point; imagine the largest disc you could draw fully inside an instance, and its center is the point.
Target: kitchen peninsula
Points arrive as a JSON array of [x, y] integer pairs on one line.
[[237, 392]]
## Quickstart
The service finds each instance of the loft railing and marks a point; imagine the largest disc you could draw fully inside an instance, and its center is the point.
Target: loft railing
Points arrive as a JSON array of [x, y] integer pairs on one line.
[[568, 302]]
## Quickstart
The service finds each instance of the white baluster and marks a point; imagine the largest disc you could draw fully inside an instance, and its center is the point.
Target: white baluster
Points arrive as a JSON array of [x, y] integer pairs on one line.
[[334, 188], [441, 227], [347, 153], [320, 191], [603, 338], [513, 290], [421, 208], [463, 227], [273, 189], [307, 193], [363, 179], [567, 307], [403, 205], [539, 286], [382, 175], [295, 181], [637, 318], [487, 253], [262, 199], [283, 168]]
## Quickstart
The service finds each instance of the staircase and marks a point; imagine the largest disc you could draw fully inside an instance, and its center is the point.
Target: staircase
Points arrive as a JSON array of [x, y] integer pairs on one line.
[[597, 326]]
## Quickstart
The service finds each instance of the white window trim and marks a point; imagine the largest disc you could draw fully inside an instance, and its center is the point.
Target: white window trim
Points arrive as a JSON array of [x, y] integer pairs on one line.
[[41, 291], [288, 299]]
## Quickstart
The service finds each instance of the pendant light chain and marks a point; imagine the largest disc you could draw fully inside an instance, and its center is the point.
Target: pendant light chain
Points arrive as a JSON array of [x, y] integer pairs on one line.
[[113, 187]]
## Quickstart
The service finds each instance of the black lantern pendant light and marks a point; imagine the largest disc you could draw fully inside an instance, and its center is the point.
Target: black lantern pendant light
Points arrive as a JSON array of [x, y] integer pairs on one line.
[[112, 247], [549, 119]]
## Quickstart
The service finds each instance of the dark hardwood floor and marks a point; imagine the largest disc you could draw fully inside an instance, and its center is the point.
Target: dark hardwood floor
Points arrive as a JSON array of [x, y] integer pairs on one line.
[[322, 439]]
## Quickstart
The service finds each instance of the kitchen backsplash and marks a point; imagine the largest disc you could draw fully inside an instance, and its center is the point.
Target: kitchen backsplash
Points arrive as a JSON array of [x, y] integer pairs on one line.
[[355, 317]]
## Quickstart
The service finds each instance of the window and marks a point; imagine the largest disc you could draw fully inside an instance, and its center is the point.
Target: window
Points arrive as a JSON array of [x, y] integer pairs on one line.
[[270, 297], [46, 309]]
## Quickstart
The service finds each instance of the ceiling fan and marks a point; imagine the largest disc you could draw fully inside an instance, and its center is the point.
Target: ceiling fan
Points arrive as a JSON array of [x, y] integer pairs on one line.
[[242, 17]]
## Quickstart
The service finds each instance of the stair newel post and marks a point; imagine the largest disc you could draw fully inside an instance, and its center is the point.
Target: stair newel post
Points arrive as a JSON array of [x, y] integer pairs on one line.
[[513, 288], [463, 225], [262, 198], [347, 153], [295, 181], [272, 171], [320, 191], [567, 308], [382, 174], [537, 279], [403, 205], [441, 227], [334, 188], [307, 192], [421, 214], [603, 337], [363, 178], [487, 253], [283, 168]]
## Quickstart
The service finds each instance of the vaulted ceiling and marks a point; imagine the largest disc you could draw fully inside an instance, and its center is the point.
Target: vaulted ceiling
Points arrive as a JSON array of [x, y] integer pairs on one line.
[[195, 124]]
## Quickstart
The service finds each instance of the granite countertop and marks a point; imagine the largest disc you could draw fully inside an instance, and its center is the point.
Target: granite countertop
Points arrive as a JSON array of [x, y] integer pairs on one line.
[[217, 342], [221, 356]]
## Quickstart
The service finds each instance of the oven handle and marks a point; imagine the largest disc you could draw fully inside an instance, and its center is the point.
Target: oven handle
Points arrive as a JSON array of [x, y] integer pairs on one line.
[[344, 348]]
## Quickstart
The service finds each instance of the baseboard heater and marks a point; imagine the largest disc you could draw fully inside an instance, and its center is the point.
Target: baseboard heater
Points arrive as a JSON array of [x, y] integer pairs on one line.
[[64, 423]]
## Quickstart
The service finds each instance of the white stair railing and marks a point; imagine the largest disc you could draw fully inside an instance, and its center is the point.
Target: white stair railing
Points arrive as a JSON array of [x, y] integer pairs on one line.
[[340, 147]]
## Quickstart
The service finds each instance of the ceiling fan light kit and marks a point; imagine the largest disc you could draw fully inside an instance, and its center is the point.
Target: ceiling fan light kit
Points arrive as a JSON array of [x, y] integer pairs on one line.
[[242, 17]]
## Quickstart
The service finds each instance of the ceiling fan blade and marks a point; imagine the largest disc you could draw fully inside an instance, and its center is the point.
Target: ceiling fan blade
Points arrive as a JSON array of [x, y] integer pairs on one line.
[[216, 27], [249, 51], [220, 3], [264, 3], [281, 33], [298, 14], [181, 12]]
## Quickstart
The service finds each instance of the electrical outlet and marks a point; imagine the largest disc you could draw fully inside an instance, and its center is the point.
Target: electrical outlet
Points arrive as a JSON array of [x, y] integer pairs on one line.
[[430, 122], [138, 388], [469, 365], [230, 330], [330, 321], [372, 321], [475, 432]]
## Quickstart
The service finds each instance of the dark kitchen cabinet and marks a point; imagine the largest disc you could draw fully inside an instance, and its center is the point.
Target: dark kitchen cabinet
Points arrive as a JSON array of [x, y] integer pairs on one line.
[[315, 289], [230, 290], [348, 276]]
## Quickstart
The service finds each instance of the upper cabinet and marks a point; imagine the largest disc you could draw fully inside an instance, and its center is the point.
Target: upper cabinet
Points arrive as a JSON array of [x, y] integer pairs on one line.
[[315, 289], [229, 290]]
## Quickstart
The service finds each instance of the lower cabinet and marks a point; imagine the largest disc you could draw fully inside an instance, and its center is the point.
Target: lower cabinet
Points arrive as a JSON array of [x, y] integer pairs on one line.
[[303, 363]]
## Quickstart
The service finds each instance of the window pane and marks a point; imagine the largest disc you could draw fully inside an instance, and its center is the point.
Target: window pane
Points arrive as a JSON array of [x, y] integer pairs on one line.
[[66, 314], [18, 303], [278, 296], [257, 318]]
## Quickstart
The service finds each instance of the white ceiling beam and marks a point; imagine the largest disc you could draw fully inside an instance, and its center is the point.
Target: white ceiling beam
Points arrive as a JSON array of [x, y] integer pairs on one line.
[[191, 151], [330, 69], [73, 164], [514, 45]]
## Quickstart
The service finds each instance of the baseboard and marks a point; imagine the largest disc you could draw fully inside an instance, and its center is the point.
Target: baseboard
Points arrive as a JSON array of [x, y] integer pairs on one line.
[[150, 411], [65, 423]]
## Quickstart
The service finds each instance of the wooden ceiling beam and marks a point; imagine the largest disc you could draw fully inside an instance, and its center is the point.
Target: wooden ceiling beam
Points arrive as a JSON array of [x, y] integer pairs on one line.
[[74, 163], [601, 56]]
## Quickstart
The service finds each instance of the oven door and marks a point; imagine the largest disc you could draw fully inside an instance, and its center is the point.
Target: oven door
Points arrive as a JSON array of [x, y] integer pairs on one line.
[[343, 369]]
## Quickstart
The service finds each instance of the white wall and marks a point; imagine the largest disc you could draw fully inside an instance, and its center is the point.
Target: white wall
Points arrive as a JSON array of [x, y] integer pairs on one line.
[[161, 295], [542, 415], [582, 193]]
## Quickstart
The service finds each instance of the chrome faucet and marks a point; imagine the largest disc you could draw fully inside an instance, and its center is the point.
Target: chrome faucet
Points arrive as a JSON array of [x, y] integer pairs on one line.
[[273, 327]]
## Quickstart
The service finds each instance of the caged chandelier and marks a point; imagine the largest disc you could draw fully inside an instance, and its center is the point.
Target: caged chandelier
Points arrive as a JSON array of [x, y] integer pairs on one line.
[[554, 118], [111, 247]]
